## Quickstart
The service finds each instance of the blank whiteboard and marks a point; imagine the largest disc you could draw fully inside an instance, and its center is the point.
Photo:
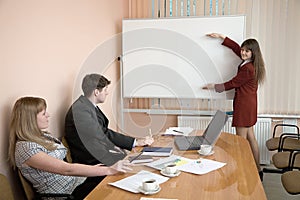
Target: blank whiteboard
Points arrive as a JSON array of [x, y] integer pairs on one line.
[[173, 57]]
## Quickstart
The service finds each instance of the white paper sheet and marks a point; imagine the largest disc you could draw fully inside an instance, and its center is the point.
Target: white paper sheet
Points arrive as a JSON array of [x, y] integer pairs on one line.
[[185, 131], [132, 183], [200, 166]]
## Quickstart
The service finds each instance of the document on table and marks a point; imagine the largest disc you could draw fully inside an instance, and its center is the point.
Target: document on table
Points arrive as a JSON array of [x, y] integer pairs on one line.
[[184, 131], [174, 159], [132, 183], [200, 166]]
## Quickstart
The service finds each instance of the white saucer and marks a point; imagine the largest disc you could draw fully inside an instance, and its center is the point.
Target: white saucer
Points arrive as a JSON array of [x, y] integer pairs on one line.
[[141, 189], [163, 172], [210, 153]]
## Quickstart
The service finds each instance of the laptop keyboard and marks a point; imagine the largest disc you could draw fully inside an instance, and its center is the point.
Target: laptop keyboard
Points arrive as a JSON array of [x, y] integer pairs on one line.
[[194, 141]]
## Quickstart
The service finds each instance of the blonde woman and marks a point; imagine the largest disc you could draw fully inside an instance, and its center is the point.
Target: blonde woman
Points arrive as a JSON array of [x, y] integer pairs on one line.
[[39, 156]]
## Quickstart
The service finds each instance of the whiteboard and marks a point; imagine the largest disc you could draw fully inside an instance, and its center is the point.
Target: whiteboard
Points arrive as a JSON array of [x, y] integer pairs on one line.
[[173, 57]]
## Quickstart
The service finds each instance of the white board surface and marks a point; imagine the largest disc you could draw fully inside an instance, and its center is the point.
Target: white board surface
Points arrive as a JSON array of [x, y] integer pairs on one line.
[[173, 57]]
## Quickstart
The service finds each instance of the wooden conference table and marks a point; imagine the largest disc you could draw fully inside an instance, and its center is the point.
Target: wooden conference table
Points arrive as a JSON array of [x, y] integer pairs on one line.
[[238, 179]]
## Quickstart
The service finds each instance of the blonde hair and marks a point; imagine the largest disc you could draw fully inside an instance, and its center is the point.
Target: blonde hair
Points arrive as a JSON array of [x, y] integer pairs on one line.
[[24, 127]]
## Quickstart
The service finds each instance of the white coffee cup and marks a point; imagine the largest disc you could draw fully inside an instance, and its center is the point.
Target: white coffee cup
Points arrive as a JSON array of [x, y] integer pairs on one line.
[[150, 185], [171, 168], [205, 149]]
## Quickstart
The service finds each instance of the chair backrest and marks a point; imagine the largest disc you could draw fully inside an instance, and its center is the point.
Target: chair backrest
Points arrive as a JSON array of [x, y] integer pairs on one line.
[[27, 187], [5, 189], [295, 164], [65, 143], [286, 125], [275, 143]]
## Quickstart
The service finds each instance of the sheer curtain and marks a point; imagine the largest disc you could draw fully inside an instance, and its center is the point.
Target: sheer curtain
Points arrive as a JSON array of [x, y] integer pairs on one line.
[[272, 22], [275, 24]]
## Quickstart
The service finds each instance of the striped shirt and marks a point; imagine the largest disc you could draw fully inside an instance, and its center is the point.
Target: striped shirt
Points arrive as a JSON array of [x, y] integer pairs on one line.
[[45, 182]]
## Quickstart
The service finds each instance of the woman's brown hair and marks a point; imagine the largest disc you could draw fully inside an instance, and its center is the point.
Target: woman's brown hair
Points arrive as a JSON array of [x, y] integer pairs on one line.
[[24, 127], [257, 59]]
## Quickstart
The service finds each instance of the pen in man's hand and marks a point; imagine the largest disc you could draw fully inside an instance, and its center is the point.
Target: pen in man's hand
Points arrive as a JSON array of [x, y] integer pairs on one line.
[[150, 132]]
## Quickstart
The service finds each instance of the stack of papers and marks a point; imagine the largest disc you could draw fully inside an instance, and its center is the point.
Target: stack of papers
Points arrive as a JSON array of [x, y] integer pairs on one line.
[[132, 183], [184, 131]]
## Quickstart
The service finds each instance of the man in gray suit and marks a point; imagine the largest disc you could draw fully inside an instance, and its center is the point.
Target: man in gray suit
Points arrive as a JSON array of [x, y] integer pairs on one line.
[[86, 127]]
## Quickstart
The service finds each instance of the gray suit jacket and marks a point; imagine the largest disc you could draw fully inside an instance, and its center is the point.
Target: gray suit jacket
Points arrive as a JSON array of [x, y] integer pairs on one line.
[[89, 138]]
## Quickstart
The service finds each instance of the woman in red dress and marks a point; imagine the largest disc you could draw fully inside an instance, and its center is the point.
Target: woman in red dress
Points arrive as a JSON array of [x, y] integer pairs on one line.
[[251, 72]]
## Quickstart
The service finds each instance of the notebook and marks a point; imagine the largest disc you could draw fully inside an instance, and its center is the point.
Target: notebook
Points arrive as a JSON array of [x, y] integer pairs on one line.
[[210, 135], [157, 151]]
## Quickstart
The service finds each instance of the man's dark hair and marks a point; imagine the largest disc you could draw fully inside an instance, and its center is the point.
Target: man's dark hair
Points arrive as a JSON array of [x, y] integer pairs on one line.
[[93, 81]]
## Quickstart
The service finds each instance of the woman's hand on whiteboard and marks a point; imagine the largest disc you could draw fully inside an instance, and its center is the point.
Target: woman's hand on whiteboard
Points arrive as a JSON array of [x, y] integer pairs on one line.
[[210, 86], [216, 35]]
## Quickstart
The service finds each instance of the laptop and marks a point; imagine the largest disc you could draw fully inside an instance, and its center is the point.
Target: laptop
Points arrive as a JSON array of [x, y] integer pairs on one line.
[[210, 135]]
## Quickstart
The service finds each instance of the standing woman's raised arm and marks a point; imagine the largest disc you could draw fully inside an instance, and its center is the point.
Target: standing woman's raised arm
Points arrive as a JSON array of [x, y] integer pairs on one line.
[[216, 35]]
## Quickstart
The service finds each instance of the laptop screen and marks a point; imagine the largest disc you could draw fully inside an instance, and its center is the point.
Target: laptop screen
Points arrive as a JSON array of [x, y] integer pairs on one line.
[[214, 127]]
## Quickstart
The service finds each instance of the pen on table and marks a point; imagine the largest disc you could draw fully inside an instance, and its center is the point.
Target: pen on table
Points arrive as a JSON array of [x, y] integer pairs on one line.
[[178, 131], [136, 157]]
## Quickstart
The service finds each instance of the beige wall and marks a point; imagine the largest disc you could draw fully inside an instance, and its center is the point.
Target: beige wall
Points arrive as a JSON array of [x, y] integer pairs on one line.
[[43, 47]]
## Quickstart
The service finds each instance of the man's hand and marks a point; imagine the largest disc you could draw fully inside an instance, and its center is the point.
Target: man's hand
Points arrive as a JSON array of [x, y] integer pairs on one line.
[[148, 140]]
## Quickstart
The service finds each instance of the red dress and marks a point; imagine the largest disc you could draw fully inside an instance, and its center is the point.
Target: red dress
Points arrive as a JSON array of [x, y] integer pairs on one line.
[[245, 85]]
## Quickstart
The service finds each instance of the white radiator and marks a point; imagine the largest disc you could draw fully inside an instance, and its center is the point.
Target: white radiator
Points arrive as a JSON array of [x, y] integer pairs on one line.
[[262, 130]]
